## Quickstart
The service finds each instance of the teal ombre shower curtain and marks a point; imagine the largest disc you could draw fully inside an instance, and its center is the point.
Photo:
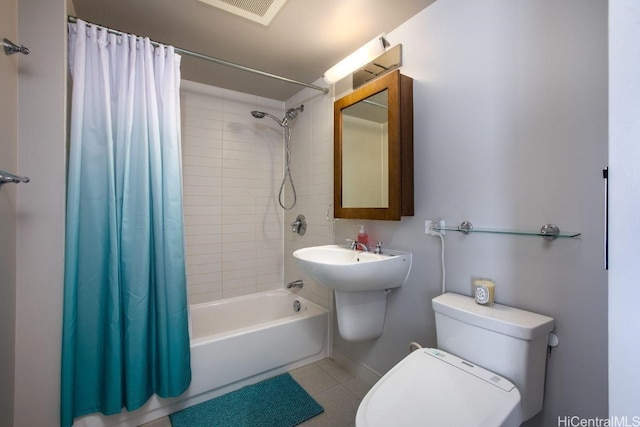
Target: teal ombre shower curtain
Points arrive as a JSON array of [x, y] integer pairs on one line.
[[125, 332]]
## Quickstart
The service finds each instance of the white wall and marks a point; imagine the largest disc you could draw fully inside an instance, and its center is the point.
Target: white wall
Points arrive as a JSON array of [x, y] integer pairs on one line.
[[312, 171], [624, 152], [8, 163], [40, 226], [510, 107], [232, 168]]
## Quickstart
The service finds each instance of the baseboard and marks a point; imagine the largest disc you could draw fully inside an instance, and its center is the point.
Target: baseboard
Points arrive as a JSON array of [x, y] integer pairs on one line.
[[355, 367]]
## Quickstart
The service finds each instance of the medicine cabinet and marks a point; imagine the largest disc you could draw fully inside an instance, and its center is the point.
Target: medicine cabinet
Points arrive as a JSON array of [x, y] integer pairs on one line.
[[373, 150]]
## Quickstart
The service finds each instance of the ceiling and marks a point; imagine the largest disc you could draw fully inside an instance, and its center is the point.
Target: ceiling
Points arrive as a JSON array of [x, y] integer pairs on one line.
[[305, 38]]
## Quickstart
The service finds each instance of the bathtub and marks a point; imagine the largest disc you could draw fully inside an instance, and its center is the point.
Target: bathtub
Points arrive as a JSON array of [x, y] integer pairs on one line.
[[236, 342]]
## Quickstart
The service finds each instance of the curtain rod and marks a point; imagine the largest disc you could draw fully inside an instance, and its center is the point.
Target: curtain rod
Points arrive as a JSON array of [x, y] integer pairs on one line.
[[73, 20]]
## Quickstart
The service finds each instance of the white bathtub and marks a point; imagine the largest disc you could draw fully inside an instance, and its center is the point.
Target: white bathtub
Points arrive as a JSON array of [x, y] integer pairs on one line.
[[235, 342]]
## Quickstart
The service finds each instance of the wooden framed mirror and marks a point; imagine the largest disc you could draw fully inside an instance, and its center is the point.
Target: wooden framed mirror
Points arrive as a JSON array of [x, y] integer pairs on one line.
[[373, 150]]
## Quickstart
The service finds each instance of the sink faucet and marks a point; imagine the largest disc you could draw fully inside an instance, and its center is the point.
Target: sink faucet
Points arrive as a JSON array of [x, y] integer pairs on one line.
[[353, 244]]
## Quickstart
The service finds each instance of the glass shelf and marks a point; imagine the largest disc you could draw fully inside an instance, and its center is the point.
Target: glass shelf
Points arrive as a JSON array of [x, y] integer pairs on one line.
[[547, 232]]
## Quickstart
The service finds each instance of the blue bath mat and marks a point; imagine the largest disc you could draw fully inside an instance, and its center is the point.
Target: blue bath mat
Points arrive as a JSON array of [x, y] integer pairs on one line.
[[276, 402]]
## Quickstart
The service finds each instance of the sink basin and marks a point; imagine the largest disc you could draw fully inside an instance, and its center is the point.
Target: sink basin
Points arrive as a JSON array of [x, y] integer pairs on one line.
[[347, 270], [361, 282]]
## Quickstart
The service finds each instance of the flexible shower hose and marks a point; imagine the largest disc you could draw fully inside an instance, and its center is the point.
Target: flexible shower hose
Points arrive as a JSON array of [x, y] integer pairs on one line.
[[287, 171]]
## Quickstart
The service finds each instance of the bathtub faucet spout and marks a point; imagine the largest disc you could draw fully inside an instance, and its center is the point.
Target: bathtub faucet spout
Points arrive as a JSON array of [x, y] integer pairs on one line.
[[295, 284]]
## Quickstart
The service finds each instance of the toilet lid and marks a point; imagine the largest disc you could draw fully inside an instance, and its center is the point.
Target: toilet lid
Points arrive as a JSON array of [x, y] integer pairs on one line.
[[431, 387]]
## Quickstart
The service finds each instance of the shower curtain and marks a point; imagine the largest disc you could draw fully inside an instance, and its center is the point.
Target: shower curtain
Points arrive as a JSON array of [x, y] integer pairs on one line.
[[125, 319]]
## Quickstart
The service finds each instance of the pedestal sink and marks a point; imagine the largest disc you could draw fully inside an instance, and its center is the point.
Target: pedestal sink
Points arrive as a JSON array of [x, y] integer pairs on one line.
[[361, 281]]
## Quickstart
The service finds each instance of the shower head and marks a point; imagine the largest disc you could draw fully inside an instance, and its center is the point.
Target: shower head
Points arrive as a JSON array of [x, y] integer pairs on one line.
[[289, 115], [292, 113], [261, 115]]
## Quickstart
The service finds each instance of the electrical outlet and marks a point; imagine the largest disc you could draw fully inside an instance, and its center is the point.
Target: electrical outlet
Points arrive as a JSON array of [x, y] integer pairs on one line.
[[434, 226]]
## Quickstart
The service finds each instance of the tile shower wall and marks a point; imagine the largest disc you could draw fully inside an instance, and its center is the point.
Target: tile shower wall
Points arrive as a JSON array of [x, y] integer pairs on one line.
[[312, 171], [232, 167]]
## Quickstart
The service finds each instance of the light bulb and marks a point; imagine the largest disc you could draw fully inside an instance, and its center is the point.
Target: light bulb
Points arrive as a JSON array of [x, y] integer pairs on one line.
[[357, 59]]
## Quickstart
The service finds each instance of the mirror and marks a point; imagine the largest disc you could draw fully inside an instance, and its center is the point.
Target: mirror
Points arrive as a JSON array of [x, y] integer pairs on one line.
[[365, 153], [373, 150]]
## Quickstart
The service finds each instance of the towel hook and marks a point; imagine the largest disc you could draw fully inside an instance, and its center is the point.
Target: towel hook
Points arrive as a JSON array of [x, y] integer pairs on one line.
[[10, 48], [6, 177]]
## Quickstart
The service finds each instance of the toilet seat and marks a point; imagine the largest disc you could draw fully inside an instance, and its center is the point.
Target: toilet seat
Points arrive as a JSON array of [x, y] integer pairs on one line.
[[431, 387]]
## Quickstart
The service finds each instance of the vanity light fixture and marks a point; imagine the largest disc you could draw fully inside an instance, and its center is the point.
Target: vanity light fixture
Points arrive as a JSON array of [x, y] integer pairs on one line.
[[357, 59]]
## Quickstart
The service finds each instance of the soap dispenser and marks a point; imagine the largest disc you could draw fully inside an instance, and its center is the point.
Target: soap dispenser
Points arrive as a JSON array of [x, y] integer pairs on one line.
[[363, 237]]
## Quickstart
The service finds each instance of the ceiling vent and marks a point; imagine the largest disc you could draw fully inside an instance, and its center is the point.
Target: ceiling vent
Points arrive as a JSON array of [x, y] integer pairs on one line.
[[261, 11]]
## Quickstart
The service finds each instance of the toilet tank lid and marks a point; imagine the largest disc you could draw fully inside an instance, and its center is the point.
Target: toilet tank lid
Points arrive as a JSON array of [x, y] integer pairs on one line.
[[497, 317]]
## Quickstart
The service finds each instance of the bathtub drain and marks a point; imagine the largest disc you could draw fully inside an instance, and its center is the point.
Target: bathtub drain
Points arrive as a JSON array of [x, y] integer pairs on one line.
[[296, 306]]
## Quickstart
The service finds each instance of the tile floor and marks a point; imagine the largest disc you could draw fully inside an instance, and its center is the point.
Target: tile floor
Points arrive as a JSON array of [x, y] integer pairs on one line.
[[335, 389]]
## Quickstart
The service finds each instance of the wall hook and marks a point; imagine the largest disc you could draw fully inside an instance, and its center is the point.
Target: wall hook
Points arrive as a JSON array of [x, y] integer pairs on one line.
[[10, 48], [6, 177]]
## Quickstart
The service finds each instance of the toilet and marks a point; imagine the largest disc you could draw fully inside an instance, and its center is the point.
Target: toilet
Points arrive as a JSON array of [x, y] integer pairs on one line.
[[488, 370]]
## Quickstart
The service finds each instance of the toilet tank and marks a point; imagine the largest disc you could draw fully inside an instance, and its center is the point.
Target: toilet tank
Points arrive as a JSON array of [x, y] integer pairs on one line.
[[506, 340]]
